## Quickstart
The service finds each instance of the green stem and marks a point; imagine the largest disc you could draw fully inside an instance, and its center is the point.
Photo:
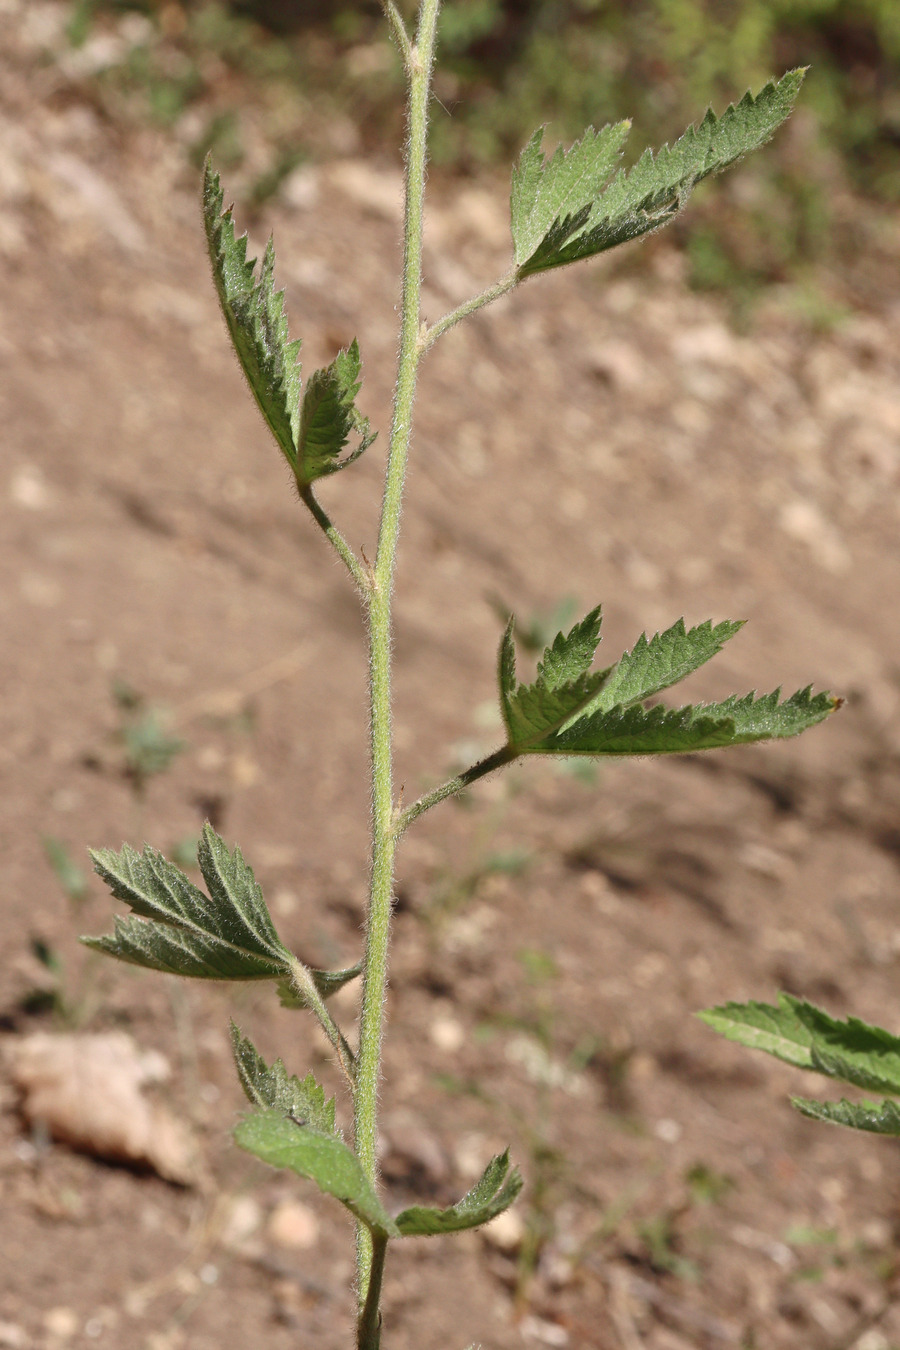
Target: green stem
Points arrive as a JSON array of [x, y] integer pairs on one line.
[[399, 33], [452, 788], [440, 326], [368, 1063], [336, 539], [369, 1325], [306, 987]]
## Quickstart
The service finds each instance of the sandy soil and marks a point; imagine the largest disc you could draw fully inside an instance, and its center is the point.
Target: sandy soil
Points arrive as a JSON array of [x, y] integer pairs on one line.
[[603, 435]]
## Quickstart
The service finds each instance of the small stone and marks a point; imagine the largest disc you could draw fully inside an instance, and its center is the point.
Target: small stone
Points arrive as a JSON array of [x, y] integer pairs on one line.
[[447, 1034], [243, 1219], [12, 1336], [669, 1131], [506, 1232], [292, 1224], [544, 1332], [62, 1323]]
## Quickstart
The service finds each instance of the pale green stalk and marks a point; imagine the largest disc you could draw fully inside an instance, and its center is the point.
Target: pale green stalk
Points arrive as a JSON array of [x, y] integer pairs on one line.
[[368, 1064], [440, 326], [336, 539]]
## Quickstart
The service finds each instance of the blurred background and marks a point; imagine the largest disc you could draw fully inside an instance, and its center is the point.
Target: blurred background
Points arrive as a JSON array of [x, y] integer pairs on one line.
[[268, 83]]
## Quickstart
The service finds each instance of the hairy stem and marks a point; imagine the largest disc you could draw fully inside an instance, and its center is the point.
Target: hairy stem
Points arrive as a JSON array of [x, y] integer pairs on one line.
[[399, 33], [305, 986], [452, 788], [368, 1064], [335, 538], [440, 326], [369, 1326]]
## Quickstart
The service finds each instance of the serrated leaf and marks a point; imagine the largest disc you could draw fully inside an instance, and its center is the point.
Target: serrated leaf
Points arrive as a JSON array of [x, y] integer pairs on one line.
[[494, 1192], [225, 935], [761, 1026], [652, 193], [851, 1050], [659, 731], [327, 982], [665, 660], [321, 1157], [273, 1088], [329, 416], [869, 1116], [564, 684], [257, 323], [561, 188]]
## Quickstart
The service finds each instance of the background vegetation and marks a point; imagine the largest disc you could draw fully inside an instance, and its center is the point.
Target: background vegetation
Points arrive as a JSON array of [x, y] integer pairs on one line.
[[508, 64]]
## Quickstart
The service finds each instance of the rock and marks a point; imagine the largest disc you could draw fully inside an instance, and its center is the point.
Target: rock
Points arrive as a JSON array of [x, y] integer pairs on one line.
[[292, 1224], [61, 1323], [506, 1232], [88, 1092], [13, 1337]]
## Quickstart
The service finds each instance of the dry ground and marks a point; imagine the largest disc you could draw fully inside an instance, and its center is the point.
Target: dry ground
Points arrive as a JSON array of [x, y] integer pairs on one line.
[[603, 436]]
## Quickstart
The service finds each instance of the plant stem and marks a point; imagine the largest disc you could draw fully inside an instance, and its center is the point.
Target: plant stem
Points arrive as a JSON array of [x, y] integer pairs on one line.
[[306, 988], [336, 539], [368, 1064], [400, 35], [440, 326], [452, 788], [369, 1329]]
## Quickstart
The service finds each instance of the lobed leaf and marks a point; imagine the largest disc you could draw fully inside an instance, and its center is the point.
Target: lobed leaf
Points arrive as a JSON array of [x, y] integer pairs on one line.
[[761, 1026], [494, 1192], [561, 188], [272, 1088], [321, 1157], [665, 660], [329, 416], [257, 323], [650, 194], [564, 684], [851, 1050], [883, 1119], [225, 935], [636, 730], [803, 1035]]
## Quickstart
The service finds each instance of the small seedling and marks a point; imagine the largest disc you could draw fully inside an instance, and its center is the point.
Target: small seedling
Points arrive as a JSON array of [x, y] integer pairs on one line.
[[573, 205]]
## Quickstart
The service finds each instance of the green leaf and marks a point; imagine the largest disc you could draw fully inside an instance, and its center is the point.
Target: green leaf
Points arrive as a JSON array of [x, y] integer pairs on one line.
[[564, 684], [322, 1157], [257, 323], [658, 731], [851, 1050], [761, 1026], [561, 188], [652, 193], [328, 417], [663, 661], [490, 1196], [883, 1119], [225, 935], [327, 982], [272, 1088]]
